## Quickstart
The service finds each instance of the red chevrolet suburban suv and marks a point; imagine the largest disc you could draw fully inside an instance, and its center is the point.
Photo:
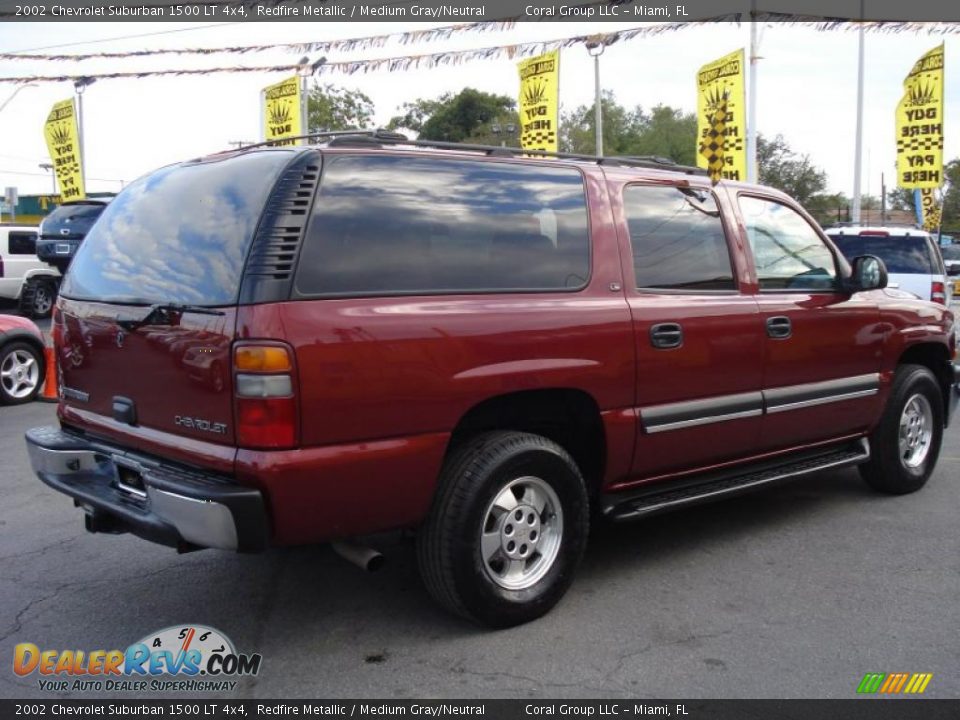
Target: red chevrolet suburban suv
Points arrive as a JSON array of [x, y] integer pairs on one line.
[[278, 346]]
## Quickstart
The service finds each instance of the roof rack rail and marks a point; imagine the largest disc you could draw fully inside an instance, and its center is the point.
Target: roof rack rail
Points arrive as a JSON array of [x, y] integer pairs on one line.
[[381, 137], [319, 136]]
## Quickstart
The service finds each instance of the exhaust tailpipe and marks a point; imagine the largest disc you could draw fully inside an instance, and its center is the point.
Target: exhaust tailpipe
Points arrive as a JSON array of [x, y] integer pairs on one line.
[[362, 556]]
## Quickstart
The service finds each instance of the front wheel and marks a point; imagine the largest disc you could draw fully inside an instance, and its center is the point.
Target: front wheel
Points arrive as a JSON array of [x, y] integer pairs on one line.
[[906, 444], [507, 529], [21, 373]]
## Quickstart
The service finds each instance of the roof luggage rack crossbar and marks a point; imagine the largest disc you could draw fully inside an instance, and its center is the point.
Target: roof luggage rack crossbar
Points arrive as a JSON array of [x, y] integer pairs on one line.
[[380, 137]]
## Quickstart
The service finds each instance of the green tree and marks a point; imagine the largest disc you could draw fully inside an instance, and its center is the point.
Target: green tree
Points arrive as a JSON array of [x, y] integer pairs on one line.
[[829, 208], [577, 128], [667, 132], [663, 131], [900, 199], [330, 107], [782, 168], [455, 118]]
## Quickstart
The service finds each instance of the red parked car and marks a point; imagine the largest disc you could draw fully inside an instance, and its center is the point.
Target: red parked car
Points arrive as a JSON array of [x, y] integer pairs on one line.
[[22, 366], [487, 347]]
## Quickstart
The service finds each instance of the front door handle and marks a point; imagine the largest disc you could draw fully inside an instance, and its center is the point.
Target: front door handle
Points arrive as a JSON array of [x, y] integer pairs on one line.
[[779, 327], [666, 335]]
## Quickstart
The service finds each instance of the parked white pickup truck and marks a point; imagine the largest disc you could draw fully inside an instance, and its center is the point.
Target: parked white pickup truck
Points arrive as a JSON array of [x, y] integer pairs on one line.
[[24, 277]]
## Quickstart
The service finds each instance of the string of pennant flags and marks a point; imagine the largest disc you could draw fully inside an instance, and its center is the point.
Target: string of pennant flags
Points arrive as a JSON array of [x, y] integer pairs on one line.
[[389, 64], [721, 103], [342, 45], [444, 58]]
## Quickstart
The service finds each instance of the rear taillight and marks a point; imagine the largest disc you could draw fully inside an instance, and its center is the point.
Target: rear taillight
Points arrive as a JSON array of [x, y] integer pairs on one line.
[[937, 293], [266, 404]]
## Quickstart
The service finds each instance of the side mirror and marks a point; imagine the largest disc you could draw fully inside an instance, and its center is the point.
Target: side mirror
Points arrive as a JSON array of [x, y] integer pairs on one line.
[[869, 273], [953, 270]]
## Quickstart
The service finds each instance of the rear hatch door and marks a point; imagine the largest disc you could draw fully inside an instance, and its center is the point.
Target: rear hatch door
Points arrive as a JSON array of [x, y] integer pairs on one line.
[[148, 309]]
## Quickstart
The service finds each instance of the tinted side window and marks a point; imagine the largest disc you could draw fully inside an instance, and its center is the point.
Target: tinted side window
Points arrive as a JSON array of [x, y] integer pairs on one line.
[[23, 243], [677, 239], [386, 225], [787, 251]]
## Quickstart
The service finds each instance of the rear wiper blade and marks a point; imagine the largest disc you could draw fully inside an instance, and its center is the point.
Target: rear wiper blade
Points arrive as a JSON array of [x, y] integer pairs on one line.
[[160, 312]]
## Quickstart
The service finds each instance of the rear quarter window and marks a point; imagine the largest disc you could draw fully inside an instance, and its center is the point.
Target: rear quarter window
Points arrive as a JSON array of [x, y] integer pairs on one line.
[[413, 225]]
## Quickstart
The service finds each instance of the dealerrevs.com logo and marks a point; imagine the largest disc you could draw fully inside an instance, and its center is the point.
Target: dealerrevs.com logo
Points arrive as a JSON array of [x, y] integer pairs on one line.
[[181, 658]]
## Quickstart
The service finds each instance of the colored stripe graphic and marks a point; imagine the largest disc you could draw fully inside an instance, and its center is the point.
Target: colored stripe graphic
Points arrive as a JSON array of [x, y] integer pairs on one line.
[[918, 683], [871, 682], [894, 683]]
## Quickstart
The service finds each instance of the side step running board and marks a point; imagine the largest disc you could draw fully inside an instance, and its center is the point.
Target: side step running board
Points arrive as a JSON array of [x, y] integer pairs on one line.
[[649, 501]]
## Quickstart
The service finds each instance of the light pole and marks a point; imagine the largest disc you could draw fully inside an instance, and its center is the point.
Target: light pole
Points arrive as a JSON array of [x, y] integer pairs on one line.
[[53, 175], [596, 47], [752, 169], [80, 85], [14, 94], [858, 139], [306, 70]]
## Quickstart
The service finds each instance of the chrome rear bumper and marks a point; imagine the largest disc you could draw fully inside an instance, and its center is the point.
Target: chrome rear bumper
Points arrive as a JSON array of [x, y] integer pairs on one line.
[[125, 492]]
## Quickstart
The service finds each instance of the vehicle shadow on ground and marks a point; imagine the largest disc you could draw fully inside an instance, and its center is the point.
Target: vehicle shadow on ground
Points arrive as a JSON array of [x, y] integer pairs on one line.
[[98, 591], [306, 582]]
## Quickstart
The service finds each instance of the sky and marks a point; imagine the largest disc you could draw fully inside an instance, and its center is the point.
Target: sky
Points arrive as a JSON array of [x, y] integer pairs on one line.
[[806, 89]]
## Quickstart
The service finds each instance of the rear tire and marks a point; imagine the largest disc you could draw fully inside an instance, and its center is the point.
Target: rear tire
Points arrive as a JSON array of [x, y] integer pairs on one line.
[[906, 444], [37, 298], [507, 529]]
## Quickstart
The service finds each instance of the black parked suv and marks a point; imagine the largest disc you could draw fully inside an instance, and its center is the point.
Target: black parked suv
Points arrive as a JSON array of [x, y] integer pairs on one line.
[[62, 231]]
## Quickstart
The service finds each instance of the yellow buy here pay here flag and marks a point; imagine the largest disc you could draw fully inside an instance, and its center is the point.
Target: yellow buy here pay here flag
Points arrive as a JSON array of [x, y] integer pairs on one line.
[[720, 83], [540, 102], [63, 144], [920, 124], [281, 111]]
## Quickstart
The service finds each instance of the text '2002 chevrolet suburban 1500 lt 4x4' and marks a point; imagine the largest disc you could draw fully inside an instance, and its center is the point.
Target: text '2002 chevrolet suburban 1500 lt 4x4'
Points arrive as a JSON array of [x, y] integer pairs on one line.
[[278, 346]]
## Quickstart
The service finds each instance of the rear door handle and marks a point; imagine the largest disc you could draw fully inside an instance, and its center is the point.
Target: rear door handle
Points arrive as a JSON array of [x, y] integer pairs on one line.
[[779, 327], [666, 335]]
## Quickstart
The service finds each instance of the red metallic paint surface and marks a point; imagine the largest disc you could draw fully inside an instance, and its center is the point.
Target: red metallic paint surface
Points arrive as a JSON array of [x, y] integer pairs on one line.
[[322, 493], [397, 370], [381, 382], [169, 370]]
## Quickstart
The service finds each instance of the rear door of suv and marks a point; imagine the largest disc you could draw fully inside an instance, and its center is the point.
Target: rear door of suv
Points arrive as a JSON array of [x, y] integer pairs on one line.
[[821, 345], [697, 335]]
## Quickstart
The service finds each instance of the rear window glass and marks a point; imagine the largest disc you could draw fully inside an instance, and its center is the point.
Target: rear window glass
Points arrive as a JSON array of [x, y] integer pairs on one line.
[[179, 234], [387, 225], [900, 253], [77, 211]]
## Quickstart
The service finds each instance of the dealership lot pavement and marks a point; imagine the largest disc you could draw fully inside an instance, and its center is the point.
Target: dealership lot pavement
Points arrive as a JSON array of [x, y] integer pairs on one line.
[[794, 592]]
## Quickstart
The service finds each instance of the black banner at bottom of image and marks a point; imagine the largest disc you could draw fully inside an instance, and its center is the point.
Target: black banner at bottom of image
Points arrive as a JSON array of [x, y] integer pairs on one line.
[[853, 709]]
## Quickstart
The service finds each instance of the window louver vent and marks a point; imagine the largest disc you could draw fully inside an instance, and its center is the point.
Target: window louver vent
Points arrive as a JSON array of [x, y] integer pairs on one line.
[[276, 245]]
